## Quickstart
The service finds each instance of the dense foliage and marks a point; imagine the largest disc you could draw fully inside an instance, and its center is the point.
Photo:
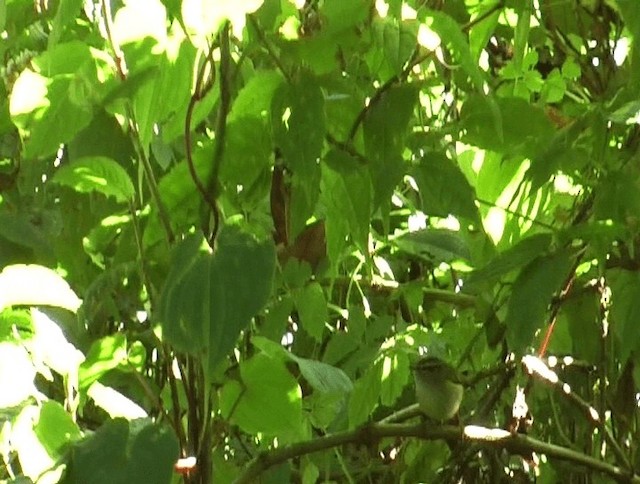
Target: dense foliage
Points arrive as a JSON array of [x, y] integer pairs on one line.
[[228, 228]]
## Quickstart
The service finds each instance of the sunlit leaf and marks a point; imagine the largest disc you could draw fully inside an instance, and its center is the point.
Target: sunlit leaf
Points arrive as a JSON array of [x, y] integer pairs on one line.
[[97, 174], [16, 375], [115, 403], [32, 285], [104, 355]]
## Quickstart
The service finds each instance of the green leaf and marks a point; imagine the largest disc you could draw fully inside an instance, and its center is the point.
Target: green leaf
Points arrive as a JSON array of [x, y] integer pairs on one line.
[[254, 99], [385, 131], [503, 131], [532, 293], [453, 38], [184, 310], [481, 32], [627, 113], [248, 153], [210, 297], [434, 244], [625, 312], [513, 258], [66, 13], [65, 88], [97, 174], [122, 452], [444, 190], [270, 400], [241, 278], [346, 190], [395, 43], [395, 376], [55, 429], [312, 308], [364, 398], [104, 355], [19, 228], [33, 285], [321, 376], [298, 121]]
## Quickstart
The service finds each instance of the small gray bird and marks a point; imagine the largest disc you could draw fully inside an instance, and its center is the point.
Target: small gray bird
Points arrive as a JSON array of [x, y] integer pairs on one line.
[[438, 388]]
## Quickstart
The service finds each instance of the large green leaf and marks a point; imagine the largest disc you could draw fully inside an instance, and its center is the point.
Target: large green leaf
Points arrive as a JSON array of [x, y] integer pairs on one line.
[[444, 190], [365, 395], [322, 377], [532, 293], [298, 121], [248, 153], [625, 313], [497, 125], [97, 174], [64, 87], [312, 308], [395, 43], [254, 99], [55, 429], [269, 399], [210, 297], [513, 258], [434, 244], [385, 130], [346, 191], [122, 452]]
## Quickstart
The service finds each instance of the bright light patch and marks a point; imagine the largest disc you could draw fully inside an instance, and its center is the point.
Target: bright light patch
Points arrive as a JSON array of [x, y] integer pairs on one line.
[[621, 51], [417, 221], [114, 402], [29, 93], [289, 29], [127, 26], [496, 217], [427, 38], [16, 375], [285, 117], [408, 13], [382, 8], [564, 184]]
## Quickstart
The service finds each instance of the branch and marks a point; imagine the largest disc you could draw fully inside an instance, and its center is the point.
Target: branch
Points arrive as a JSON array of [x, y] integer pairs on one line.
[[362, 435], [536, 367], [200, 91], [148, 170], [495, 438], [221, 126], [523, 445], [416, 60]]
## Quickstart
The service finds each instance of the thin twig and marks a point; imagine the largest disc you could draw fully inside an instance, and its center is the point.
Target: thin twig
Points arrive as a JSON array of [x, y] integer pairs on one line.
[[200, 91], [416, 60], [146, 165], [221, 126]]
